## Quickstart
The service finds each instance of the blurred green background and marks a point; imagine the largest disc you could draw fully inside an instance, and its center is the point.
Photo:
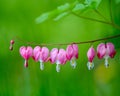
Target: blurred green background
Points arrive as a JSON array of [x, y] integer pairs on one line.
[[17, 18]]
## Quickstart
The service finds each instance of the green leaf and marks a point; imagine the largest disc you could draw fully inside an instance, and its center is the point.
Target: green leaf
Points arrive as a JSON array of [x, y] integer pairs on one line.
[[78, 7], [61, 16], [42, 18], [63, 7], [117, 1], [46, 16], [93, 3]]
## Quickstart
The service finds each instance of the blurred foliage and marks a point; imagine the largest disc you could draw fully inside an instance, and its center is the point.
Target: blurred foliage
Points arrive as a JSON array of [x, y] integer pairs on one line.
[[67, 8], [17, 18], [117, 1]]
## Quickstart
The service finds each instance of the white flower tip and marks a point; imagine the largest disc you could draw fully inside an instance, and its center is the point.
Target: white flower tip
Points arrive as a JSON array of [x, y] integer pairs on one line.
[[41, 68], [58, 68], [73, 64], [41, 65], [106, 63], [90, 65]]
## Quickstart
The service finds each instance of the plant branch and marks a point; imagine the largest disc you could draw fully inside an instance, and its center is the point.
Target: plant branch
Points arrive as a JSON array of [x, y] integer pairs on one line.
[[92, 19], [96, 20], [59, 44], [101, 15], [111, 23]]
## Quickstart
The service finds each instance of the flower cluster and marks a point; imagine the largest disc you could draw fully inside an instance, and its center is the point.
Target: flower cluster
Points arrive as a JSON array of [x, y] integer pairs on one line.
[[103, 51], [58, 56], [61, 56]]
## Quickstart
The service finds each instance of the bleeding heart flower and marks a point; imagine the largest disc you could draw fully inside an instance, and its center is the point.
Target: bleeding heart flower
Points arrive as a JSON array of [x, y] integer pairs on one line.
[[106, 51], [36, 53], [72, 54], [61, 57], [41, 55], [58, 57], [90, 55], [53, 55], [26, 53]]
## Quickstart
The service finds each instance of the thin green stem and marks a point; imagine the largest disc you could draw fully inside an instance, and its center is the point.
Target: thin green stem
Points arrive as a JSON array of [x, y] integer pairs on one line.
[[96, 20]]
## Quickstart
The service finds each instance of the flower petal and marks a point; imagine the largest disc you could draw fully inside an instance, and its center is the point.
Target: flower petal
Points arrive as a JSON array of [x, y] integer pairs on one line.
[[29, 52], [110, 50], [53, 55], [36, 53], [44, 54], [75, 47], [101, 50], [61, 57], [69, 52], [91, 54], [26, 52]]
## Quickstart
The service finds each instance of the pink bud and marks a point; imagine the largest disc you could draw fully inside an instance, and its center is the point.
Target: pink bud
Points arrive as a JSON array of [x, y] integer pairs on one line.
[[36, 53], [11, 45], [53, 55], [12, 42], [91, 54]]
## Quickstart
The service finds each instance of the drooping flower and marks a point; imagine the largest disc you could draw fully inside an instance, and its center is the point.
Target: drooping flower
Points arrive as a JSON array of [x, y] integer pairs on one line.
[[53, 55], [41, 55], [36, 53], [72, 54], [106, 51], [58, 57], [44, 56], [26, 53], [90, 55]]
